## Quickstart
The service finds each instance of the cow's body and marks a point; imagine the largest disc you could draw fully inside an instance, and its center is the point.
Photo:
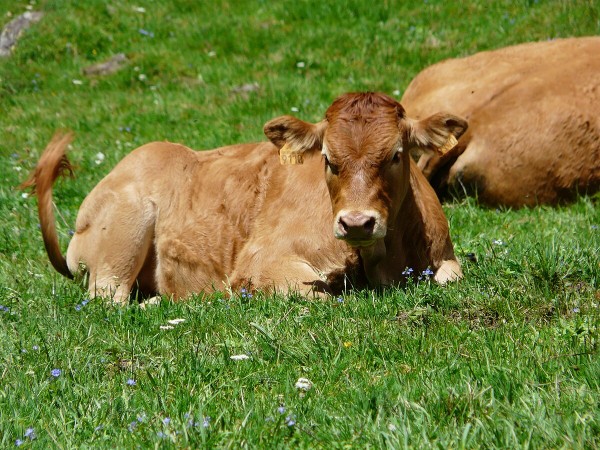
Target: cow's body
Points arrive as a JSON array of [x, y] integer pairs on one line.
[[534, 121], [174, 221]]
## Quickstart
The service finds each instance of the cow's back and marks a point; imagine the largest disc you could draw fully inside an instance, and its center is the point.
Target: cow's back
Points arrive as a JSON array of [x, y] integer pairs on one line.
[[210, 214], [198, 206], [534, 130]]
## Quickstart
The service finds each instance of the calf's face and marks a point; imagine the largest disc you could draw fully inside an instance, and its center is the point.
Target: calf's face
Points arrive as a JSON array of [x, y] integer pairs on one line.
[[365, 140]]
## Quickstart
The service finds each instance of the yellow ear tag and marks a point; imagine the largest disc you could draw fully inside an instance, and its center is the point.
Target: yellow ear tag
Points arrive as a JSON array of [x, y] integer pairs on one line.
[[287, 156], [449, 145]]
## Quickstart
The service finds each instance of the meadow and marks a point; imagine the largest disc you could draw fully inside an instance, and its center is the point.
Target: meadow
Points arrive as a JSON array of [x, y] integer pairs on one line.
[[507, 358]]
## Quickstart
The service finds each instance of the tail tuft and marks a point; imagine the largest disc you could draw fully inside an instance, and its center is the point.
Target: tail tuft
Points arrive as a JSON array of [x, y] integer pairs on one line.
[[55, 150]]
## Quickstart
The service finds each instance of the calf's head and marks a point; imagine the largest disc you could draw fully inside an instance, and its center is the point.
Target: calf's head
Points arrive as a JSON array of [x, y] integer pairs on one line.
[[365, 140]]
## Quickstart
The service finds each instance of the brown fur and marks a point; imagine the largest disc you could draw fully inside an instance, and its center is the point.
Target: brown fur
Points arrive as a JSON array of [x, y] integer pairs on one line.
[[173, 221], [534, 127], [52, 164]]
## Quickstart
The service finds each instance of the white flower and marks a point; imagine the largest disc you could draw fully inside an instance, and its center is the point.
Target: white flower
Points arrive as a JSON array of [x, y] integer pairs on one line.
[[239, 357], [303, 384], [24, 195], [300, 64], [212, 54], [139, 9], [166, 327], [396, 92], [77, 82], [294, 109], [99, 158], [498, 242], [142, 77], [175, 321]]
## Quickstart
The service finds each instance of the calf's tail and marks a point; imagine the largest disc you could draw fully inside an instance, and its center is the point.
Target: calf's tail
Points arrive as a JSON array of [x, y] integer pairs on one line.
[[52, 164]]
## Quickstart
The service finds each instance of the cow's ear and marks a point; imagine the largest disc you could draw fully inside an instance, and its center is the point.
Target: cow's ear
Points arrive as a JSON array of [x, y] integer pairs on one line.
[[294, 137], [438, 133]]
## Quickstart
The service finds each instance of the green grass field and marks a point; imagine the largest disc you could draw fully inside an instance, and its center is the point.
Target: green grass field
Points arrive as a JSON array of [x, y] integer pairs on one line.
[[507, 358]]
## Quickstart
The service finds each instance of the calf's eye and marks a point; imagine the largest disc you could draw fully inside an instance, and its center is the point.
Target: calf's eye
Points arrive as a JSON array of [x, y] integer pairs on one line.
[[396, 158], [332, 167]]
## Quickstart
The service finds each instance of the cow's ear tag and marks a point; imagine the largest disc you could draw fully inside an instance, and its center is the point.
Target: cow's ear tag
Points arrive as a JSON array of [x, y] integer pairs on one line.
[[448, 145], [288, 156]]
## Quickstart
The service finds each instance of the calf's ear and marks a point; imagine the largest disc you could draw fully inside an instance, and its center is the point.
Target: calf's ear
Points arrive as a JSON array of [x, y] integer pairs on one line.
[[293, 137], [438, 133]]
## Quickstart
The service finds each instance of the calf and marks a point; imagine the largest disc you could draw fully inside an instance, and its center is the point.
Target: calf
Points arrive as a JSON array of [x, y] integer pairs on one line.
[[534, 126], [348, 208]]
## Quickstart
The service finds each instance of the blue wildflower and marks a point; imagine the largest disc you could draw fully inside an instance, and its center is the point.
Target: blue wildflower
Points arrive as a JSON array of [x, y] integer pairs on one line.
[[132, 426], [78, 308], [281, 409], [35, 347], [407, 271], [340, 300], [55, 373], [290, 421], [166, 420], [146, 33], [30, 433], [130, 382], [19, 442], [206, 422], [427, 272]]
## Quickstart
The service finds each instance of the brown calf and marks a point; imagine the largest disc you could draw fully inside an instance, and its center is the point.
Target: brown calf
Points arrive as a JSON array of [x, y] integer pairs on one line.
[[534, 121], [169, 220]]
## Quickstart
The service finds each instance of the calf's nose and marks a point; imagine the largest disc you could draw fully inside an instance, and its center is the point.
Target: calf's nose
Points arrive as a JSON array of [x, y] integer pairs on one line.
[[355, 225]]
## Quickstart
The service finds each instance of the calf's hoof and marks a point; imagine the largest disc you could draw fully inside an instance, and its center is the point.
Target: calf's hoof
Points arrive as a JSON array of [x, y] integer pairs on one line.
[[449, 271]]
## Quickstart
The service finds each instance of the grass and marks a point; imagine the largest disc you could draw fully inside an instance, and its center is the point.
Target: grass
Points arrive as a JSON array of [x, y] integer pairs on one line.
[[507, 358]]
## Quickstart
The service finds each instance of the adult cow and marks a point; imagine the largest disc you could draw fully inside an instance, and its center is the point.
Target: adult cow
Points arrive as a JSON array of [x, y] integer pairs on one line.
[[173, 221], [534, 121]]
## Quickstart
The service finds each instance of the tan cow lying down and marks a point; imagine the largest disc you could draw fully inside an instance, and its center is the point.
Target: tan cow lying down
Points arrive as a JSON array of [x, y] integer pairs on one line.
[[534, 121], [173, 221]]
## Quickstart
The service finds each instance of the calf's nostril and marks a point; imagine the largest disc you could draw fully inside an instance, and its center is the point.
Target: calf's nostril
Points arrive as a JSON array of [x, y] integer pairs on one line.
[[369, 225], [343, 224]]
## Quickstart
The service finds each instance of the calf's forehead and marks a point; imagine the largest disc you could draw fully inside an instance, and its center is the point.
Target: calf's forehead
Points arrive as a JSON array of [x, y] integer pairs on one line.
[[363, 122], [363, 137]]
